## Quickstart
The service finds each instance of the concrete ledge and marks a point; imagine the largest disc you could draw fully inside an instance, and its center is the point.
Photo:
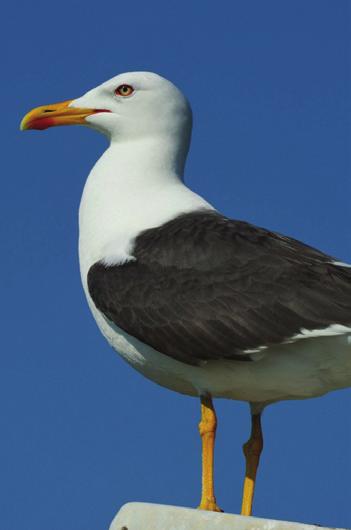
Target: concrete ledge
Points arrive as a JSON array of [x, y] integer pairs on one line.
[[144, 516]]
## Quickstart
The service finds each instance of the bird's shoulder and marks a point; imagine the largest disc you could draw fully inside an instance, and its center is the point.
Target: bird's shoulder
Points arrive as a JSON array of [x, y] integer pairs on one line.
[[207, 239]]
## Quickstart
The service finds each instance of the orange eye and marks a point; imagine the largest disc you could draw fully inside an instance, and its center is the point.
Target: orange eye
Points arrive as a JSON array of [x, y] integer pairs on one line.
[[124, 90]]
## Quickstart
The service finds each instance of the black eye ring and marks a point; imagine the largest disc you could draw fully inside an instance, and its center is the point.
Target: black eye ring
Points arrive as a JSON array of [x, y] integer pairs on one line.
[[124, 90]]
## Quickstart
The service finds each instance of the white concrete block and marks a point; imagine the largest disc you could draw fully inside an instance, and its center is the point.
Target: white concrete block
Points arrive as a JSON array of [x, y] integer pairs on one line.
[[144, 516]]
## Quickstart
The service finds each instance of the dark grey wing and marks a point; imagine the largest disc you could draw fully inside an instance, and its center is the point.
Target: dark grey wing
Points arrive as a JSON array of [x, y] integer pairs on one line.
[[206, 287]]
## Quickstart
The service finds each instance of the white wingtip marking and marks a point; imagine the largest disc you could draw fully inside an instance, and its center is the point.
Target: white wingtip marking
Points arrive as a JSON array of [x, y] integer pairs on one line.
[[334, 329], [341, 264]]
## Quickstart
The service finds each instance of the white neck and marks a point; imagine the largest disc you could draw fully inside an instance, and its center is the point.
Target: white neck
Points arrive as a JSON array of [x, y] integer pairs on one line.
[[134, 186]]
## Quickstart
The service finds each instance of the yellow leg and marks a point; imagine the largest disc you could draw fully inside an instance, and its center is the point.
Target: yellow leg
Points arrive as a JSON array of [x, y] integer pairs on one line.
[[207, 428], [252, 451]]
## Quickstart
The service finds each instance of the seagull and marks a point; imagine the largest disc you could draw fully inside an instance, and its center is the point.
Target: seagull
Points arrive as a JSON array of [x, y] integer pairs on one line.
[[199, 303]]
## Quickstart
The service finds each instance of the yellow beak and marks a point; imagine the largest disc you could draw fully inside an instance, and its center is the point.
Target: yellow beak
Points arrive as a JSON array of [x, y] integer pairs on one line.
[[57, 114]]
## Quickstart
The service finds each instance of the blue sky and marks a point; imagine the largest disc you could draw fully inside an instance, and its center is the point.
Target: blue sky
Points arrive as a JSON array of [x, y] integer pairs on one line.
[[82, 433]]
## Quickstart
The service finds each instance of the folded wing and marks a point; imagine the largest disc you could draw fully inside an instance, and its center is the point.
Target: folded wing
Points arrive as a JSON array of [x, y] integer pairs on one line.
[[204, 287]]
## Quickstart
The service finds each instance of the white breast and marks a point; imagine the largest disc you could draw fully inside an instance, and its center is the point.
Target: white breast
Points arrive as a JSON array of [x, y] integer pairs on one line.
[[119, 201]]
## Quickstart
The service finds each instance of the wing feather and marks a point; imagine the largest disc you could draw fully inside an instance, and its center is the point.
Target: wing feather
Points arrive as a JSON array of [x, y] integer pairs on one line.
[[206, 287]]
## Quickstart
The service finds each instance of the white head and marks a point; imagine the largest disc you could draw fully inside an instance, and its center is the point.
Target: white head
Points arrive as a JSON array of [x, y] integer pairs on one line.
[[128, 107], [140, 104]]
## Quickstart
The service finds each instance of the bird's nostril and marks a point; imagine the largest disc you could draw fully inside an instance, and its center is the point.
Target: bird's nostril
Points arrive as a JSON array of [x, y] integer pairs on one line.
[[49, 110]]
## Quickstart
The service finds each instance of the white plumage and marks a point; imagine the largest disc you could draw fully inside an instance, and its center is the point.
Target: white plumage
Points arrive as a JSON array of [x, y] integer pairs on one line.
[[138, 184], [133, 195]]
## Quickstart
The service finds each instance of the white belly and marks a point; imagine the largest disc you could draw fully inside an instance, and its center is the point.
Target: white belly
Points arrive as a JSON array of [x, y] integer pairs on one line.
[[304, 369]]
